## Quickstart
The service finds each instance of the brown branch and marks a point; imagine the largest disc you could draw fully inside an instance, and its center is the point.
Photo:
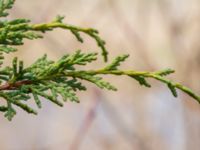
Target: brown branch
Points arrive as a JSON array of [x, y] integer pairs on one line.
[[14, 86]]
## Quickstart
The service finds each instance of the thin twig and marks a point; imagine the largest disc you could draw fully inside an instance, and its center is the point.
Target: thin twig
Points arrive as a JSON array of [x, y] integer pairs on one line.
[[86, 124]]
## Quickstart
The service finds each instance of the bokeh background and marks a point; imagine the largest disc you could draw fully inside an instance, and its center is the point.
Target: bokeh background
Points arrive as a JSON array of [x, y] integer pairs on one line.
[[157, 34]]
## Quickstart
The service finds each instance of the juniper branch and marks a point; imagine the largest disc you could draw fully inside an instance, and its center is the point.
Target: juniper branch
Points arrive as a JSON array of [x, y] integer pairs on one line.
[[13, 33], [131, 73], [54, 79], [75, 30]]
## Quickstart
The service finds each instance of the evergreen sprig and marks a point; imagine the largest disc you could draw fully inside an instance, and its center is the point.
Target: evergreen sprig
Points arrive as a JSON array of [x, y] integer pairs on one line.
[[4, 5], [54, 80]]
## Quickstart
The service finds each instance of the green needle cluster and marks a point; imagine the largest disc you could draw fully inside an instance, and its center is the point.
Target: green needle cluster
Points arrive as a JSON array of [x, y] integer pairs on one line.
[[54, 80]]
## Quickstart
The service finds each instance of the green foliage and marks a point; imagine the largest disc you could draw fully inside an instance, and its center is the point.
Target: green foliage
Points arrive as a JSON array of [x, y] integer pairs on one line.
[[4, 5], [54, 80]]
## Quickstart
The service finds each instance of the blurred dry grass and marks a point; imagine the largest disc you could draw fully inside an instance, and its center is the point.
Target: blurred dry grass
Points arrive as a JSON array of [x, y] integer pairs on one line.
[[157, 34]]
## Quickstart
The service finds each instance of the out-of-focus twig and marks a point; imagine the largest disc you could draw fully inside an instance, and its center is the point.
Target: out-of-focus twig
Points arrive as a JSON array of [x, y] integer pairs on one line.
[[133, 138], [86, 124]]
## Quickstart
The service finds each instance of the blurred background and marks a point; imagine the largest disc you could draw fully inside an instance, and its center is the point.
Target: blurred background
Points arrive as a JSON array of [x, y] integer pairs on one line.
[[157, 34]]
